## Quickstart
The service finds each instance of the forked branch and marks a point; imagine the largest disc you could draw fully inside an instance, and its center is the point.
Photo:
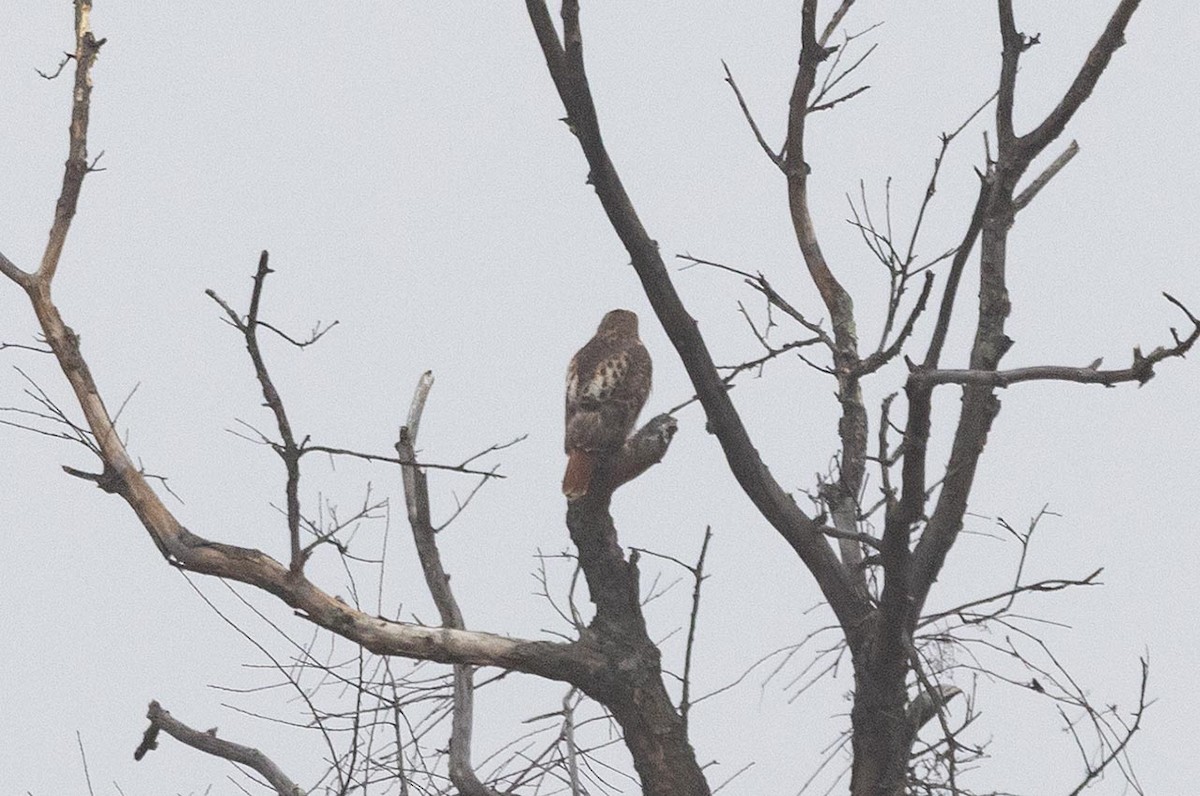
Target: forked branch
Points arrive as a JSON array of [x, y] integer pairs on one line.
[[564, 60], [287, 449], [566, 662]]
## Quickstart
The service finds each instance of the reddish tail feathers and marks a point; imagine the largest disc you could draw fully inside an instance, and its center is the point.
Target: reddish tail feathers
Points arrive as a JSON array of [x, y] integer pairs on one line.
[[579, 474]]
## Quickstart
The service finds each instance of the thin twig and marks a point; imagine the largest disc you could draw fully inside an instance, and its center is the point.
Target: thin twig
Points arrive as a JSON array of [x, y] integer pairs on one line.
[[87, 776], [775, 157]]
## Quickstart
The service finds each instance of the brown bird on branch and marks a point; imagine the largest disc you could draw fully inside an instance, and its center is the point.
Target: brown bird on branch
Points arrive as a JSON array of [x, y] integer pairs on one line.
[[608, 382]]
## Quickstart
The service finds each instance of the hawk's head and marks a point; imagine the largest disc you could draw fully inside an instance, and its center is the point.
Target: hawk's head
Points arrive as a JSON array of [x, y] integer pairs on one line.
[[619, 322]]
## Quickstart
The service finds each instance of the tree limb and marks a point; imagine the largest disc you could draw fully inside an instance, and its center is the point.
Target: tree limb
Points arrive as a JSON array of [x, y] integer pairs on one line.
[[1014, 155], [1140, 370], [1085, 80], [1026, 196], [209, 743], [288, 451], [566, 67], [758, 136], [416, 498]]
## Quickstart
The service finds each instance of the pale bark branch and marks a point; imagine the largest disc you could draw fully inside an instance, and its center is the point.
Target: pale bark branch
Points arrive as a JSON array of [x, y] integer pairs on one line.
[[1026, 196], [853, 425], [182, 548], [644, 449], [209, 743], [572, 663], [9, 269], [834, 21], [416, 499], [87, 48]]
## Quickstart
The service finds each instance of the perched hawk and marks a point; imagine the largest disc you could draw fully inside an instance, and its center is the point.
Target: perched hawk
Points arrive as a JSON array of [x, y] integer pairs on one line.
[[608, 381]]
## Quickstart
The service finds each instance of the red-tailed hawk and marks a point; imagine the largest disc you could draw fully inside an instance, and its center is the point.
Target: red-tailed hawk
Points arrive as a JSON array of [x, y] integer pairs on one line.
[[608, 381]]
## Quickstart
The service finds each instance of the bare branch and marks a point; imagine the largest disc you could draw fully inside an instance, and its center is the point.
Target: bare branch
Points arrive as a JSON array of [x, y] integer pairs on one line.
[[775, 157], [375, 457], [851, 536], [995, 213], [834, 77], [834, 21], [318, 331], [1085, 80], [23, 347], [87, 775], [189, 551], [572, 749], [941, 327], [66, 59], [1141, 370], [416, 498], [774, 299], [209, 743], [1026, 196], [87, 48], [288, 450], [824, 106], [1048, 585], [881, 357], [1116, 751], [931, 188], [698, 577], [22, 278], [566, 67]]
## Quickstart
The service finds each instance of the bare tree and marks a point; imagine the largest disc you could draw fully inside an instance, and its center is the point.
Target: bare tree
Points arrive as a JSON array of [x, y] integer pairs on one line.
[[875, 562]]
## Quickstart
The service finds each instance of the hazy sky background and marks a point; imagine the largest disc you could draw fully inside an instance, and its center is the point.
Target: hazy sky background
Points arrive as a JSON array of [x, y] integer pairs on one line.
[[405, 166]]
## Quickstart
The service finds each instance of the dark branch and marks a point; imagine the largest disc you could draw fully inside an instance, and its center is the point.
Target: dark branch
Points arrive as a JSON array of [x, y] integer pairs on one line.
[[566, 67], [375, 457], [1141, 370], [1117, 750], [1085, 81], [774, 156], [288, 450]]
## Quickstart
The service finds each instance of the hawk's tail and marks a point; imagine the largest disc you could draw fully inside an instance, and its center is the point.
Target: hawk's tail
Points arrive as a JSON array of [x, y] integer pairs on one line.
[[579, 474]]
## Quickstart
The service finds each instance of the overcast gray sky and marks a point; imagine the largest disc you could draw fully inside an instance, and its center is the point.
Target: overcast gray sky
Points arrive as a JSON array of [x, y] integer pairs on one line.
[[405, 166]]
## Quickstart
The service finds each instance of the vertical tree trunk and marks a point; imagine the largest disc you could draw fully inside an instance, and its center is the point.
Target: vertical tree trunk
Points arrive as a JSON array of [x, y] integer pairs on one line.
[[631, 685]]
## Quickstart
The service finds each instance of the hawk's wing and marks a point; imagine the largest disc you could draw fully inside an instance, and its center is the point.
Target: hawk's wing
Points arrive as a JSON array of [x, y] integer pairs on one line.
[[608, 381], [605, 392], [604, 381]]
